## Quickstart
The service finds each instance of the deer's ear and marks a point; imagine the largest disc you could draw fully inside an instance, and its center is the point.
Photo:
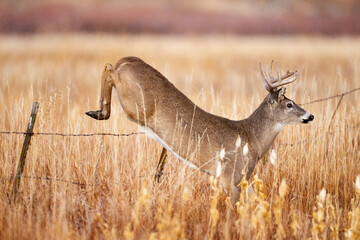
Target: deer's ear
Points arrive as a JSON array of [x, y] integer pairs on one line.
[[281, 93]]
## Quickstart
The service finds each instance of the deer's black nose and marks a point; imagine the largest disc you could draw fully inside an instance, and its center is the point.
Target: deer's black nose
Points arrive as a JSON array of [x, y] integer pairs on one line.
[[310, 118]]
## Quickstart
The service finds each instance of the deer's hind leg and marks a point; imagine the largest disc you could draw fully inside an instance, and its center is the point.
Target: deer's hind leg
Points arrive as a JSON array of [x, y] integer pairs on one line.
[[109, 75]]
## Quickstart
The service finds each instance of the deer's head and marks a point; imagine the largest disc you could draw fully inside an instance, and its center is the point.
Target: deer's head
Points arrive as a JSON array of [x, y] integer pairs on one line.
[[284, 110]]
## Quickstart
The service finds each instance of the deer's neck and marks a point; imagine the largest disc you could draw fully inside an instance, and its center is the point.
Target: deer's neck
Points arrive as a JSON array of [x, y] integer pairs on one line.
[[264, 128]]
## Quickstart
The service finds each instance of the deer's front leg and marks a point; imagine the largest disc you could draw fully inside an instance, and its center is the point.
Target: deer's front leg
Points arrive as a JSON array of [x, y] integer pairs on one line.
[[160, 167], [107, 82]]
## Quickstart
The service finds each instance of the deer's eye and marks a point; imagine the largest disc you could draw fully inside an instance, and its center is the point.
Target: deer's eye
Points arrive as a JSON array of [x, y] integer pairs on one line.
[[289, 105]]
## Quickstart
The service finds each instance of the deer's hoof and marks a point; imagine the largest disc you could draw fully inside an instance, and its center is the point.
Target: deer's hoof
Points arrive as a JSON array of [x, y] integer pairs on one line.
[[96, 115]]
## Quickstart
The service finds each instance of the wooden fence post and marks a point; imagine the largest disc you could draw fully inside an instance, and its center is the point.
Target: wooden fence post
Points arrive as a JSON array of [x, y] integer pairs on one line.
[[29, 133]]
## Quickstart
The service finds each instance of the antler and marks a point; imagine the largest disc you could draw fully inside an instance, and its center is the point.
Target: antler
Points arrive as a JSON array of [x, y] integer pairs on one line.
[[272, 83]]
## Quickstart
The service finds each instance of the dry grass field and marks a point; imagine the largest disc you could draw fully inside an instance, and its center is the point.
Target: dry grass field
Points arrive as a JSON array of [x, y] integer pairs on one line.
[[119, 199]]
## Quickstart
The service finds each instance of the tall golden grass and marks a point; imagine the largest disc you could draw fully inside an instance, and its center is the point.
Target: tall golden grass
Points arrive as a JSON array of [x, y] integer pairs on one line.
[[309, 192]]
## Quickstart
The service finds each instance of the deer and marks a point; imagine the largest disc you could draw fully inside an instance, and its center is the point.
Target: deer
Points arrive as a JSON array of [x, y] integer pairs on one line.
[[193, 135]]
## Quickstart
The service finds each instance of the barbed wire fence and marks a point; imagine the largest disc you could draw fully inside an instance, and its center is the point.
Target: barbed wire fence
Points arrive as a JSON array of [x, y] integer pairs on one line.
[[28, 134], [77, 135]]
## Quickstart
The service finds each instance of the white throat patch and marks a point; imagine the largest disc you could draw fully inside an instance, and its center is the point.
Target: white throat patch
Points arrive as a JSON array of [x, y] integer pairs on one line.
[[279, 126]]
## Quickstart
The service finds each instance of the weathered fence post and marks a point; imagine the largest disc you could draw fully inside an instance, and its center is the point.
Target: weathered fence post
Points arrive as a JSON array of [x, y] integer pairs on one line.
[[29, 133]]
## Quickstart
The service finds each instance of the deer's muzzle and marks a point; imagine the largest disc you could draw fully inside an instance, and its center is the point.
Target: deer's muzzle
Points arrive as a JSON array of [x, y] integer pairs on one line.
[[310, 118]]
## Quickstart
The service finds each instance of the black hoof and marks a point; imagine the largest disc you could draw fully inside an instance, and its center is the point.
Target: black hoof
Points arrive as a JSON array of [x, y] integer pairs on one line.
[[96, 115], [157, 176]]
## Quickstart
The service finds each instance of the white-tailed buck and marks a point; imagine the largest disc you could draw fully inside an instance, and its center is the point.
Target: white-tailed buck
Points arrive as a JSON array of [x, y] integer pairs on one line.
[[192, 134]]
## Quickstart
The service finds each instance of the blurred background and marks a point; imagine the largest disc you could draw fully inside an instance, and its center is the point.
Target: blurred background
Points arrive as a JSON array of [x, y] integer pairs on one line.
[[255, 17], [53, 52]]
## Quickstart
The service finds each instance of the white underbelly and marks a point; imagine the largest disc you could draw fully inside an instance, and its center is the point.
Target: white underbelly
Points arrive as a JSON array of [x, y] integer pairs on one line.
[[150, 133]]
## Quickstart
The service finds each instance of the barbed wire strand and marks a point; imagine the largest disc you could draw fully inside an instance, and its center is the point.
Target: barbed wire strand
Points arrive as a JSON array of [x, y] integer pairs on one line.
[[75, 135], [331, 97], [51, 179], [47, 178]]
